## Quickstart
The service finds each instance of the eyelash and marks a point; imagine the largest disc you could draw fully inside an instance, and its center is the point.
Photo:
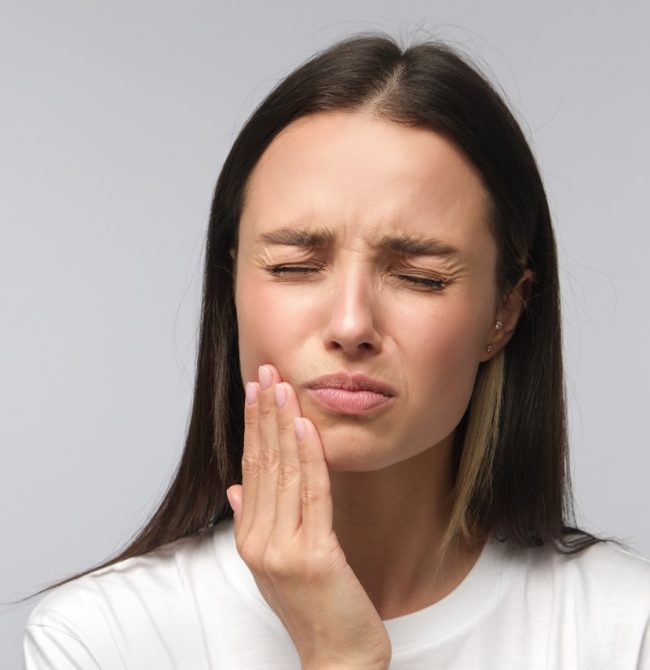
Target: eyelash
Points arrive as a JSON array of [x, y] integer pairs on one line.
[[425, 283], [279, 270]]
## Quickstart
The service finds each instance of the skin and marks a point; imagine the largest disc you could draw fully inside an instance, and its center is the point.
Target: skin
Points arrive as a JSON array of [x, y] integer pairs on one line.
[[354, 510]]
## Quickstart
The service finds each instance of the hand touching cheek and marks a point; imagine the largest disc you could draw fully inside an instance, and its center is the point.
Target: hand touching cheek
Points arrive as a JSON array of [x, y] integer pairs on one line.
[[283, 530]]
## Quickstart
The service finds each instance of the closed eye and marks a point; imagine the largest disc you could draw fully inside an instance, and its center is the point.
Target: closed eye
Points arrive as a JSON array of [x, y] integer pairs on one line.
[[284, 270], [424, 283], [430, 283]]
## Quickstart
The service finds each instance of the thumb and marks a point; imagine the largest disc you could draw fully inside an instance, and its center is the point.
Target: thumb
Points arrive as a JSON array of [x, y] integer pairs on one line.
[[234, 498]]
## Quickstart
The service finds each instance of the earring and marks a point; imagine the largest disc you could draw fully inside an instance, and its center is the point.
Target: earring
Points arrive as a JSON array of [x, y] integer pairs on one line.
[[488, 348], [498, 325]]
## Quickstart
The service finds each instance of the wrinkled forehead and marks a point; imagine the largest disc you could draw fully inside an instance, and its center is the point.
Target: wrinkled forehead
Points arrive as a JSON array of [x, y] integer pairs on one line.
[[355, 176]]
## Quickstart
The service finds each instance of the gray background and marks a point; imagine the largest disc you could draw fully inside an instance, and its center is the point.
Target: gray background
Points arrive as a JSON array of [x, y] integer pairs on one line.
[[114, 121]]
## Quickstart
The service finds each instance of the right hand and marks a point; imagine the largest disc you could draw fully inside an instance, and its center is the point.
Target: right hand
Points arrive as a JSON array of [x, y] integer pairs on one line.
[[283, 530]]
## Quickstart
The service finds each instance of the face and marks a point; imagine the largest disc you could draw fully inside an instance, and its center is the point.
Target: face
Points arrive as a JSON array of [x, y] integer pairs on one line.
[[365, 252]]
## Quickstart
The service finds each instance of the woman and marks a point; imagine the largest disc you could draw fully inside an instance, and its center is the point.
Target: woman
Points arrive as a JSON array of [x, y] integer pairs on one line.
[[380, 367]]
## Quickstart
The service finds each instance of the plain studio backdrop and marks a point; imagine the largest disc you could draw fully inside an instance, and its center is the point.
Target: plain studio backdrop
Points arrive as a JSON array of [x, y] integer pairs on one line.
[[114, 122]]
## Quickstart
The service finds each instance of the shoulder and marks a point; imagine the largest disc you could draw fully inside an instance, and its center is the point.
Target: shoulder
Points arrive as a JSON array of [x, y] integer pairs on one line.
[[161, 575], [157, 572], [149, 597], [605, 570], [602, 591], [589, 609], [189, 604]]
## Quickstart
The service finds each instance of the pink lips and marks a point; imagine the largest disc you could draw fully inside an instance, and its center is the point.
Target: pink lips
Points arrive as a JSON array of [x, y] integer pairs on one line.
[[351, 394]]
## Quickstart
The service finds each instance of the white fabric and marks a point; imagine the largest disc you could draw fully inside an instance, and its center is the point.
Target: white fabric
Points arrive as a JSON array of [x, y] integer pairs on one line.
[[193, 605]]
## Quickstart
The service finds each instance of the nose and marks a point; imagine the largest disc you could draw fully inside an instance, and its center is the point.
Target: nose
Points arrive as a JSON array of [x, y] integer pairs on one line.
[[352, 315]]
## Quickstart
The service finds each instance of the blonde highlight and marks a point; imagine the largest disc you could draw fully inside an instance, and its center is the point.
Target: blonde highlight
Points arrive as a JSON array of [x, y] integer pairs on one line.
[[474, 475]]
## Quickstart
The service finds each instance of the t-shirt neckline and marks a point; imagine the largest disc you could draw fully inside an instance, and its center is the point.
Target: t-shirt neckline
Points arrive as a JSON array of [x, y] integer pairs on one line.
[[477, 594]]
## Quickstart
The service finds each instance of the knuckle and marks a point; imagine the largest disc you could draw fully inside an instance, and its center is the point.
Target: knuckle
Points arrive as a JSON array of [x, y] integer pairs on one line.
[[250, 418], [288, 476], [311, 495], [322, 560], [266, 409], [275, 564], [268, 460], [250, 423], [313, 565], [250, 555], [249, 465]]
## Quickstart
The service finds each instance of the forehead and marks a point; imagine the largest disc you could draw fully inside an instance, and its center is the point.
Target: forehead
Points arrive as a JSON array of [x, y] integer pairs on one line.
[[362, 177]]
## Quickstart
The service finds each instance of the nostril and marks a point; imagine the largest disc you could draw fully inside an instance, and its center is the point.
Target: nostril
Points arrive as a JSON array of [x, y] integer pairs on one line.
[[352, 327], [364, 346]]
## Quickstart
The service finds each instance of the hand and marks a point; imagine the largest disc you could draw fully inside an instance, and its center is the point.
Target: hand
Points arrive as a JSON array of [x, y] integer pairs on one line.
[[283, 530]]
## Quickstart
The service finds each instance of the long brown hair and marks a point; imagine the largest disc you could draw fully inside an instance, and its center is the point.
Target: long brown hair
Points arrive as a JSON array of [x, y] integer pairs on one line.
[[511, 460]]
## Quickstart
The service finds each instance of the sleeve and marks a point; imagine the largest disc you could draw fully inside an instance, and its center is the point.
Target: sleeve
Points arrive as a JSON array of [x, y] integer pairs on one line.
[[48, 648]]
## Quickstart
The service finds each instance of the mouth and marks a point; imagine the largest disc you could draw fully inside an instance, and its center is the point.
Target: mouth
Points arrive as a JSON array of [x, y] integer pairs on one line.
[[343, 393]]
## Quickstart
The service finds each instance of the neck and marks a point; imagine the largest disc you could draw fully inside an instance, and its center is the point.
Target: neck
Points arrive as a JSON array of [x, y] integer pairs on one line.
[[390, 524]]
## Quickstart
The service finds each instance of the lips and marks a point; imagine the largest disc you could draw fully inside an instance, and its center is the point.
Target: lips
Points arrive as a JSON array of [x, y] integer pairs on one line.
[[351, 394], [347, 382]]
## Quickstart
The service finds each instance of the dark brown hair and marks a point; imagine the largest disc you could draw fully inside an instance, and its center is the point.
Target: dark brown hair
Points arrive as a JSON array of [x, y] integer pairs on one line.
[[511, 461]]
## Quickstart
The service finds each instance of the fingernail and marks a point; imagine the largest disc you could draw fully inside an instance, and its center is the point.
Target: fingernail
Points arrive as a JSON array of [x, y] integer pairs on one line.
[[280, 395], [251, 393], [300, 427], [266, 377]]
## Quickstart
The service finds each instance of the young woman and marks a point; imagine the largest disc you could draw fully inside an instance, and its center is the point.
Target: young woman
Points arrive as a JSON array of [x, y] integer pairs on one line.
[[379, 400]]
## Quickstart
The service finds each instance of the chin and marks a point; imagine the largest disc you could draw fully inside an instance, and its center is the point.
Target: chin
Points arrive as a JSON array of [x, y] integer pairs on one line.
[[344, 453], [353, 463], [350, 462], [363, 448]]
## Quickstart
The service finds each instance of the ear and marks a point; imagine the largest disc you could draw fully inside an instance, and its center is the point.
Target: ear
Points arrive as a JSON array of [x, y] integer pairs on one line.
[[508, 315]]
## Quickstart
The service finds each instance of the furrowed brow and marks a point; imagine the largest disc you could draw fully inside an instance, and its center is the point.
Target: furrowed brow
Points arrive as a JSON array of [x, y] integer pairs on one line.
[[413, 246], [311, 238]]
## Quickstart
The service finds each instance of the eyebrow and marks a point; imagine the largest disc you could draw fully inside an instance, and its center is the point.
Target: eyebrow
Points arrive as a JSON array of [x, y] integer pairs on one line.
[[317, 238], [416, 246]]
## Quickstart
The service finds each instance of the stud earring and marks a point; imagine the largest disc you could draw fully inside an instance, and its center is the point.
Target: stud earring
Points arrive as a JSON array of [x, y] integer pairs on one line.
[[488, 348], [498, 325]]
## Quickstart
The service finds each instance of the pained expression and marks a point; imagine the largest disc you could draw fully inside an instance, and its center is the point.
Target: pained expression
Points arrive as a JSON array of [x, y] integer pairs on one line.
[[343, 288]]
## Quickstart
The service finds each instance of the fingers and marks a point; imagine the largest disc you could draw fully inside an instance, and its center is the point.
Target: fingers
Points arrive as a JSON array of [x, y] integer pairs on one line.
[[268, 452], [315, 494], [253, 450], [285, 480], [304, 500], [233, 493], [288, 507], [249, 461]]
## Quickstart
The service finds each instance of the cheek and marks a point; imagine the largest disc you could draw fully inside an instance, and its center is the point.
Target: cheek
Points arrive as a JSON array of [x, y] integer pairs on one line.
[[263, 321], [449, 335], [443, 352]]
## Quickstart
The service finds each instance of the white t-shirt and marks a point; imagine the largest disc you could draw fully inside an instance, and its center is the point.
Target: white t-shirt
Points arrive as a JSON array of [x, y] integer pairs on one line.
[[194, 605]]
